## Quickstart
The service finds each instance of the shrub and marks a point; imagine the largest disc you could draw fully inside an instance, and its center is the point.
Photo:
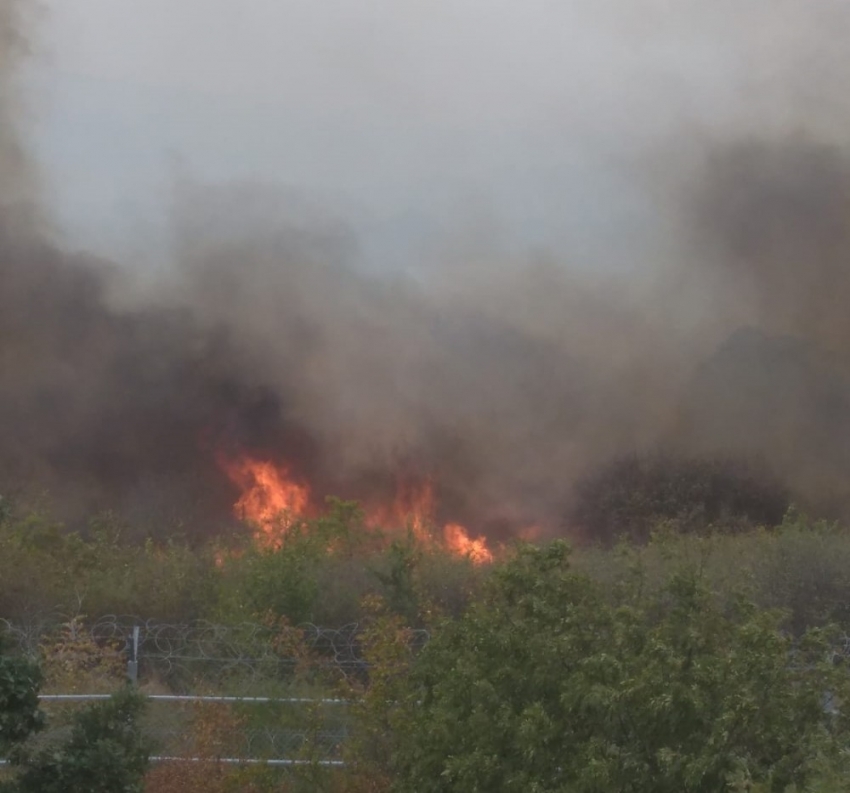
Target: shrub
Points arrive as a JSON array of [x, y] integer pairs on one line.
[[631, 496], [105, 752], [550, 684], [20, 680]]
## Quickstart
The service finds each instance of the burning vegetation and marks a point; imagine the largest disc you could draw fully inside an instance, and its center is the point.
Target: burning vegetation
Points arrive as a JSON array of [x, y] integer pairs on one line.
[[272, 502], [269, 500], [266, 368]]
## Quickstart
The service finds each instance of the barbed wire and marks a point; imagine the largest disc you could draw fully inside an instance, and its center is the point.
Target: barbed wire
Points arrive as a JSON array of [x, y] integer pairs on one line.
[[27, 638], [183, 653], [293, 720], [222, 657]]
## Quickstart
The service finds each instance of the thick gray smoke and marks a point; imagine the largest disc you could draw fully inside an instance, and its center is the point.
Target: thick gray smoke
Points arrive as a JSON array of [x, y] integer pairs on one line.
[[503, 380], [773, 225]]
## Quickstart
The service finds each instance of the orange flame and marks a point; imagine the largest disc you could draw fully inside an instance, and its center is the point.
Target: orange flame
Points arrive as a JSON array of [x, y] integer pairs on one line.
[[458, 540], [273, 501], [412, 507], [270, 499]]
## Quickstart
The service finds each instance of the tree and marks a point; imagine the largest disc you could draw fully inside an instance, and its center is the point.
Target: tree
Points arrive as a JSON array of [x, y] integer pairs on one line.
[[632, 495], [551, 684], [104, 753], [20, 716]]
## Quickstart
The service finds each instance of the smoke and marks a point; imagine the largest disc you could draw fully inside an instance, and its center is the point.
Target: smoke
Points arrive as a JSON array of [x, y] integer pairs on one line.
[[17, 176], [772, 229], [503, 378]]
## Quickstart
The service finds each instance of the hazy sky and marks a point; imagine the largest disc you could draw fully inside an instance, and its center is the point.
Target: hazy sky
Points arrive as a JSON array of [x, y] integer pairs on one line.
[[403, 117], [700, 142]]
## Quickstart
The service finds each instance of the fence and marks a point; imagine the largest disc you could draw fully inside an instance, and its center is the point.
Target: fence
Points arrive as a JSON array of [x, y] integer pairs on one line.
[[248, 666], [187, 652]]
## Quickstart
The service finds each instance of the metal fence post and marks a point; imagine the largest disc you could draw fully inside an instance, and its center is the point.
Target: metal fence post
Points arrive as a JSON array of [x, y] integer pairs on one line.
[[133, 663]]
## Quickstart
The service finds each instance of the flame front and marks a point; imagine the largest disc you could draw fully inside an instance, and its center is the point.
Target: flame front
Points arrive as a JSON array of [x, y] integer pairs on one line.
[[413, 508], [270, 498], [458, 540]]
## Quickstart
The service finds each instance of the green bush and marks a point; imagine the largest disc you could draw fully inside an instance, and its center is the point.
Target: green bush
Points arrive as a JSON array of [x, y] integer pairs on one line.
[[20, 716], [551, 683], [46, 571], [801, 567], [104, 753], [805, 569]]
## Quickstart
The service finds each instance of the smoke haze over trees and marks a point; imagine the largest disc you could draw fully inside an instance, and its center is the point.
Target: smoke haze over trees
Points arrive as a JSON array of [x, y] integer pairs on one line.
[[504, 377]]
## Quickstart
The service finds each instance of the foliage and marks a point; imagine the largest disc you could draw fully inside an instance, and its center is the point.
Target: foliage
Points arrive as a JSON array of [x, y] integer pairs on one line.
[[74, 663], [43, 567], [105, 752], [388, 649], [663, 673], [806, 570], [209, 736], [552, 684], [20, 679], [284, 578], [320, 572], [802, 567], [398, 580], [322, 569], [631, 495]]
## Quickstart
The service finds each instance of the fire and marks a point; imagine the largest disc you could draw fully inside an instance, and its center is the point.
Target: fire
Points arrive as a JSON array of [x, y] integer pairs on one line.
[[270, 498], [412, 507], [458, 540]]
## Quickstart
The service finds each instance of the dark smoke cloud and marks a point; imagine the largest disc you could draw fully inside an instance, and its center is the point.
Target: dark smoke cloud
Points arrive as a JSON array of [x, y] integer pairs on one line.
[[772, 227], [504, 380], [775, 219]]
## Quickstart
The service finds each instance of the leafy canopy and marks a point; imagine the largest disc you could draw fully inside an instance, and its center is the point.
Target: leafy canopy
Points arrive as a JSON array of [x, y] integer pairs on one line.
[[104, 753], [20, 680], [552, 684]]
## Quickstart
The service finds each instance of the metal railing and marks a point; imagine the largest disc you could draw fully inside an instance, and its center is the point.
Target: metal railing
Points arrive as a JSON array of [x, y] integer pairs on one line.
[[245, 657], [182, 653]]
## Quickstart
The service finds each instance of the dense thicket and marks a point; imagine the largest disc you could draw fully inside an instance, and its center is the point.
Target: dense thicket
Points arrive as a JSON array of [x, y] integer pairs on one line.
[[553, 683], [696, 661], [631, 496]]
